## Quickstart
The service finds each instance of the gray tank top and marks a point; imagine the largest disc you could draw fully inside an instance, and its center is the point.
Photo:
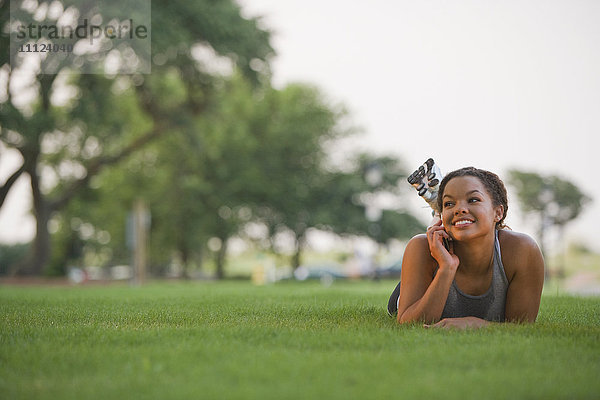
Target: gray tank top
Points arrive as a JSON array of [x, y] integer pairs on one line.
[[490, 305]]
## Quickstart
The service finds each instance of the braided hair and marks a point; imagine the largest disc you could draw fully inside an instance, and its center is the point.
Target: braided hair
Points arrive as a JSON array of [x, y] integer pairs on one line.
[[492, 183]]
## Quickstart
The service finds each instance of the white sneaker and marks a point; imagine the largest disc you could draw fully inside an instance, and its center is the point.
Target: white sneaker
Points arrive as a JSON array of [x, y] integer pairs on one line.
[[426, 180]]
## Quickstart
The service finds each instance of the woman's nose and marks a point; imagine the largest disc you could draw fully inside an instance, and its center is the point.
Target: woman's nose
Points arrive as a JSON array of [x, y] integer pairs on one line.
[[461, 209]]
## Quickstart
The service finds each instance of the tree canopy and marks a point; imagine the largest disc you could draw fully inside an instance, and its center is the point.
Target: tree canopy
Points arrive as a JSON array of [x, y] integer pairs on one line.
[[74, 125], [552, 200], [204, 140]]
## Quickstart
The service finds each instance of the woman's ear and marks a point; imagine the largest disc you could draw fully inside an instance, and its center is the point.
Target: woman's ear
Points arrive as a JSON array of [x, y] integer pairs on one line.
[[499, 213]]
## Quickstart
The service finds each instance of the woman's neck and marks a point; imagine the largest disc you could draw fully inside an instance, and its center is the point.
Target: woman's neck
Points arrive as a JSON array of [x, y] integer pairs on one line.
[[475, 255]]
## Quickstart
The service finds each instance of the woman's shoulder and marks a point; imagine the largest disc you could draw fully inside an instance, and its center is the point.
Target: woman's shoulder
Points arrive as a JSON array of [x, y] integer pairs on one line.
[[518, 241], [418, 239], [417, 248], [419, 244], [517, 250]]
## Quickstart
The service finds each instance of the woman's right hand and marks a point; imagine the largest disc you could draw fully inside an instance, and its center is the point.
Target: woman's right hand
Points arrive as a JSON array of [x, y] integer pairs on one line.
[[445, 258]]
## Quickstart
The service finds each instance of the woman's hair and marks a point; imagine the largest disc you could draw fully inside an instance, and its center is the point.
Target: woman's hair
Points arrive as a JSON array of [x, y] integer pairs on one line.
[[491, 181]]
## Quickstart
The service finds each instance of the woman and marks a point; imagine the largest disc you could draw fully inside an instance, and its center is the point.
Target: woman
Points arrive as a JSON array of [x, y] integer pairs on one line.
[[485, 274]]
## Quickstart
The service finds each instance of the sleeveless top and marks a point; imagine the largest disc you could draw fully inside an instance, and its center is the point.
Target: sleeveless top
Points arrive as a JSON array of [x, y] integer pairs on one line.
[[490, 305]]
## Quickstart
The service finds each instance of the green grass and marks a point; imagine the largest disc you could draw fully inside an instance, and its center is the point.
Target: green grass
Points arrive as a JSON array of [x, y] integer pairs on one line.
[[285, 341]]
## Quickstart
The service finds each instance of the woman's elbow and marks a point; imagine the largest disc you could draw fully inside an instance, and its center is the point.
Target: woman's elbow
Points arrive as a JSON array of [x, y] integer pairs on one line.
[[404, 318], [400, 317]]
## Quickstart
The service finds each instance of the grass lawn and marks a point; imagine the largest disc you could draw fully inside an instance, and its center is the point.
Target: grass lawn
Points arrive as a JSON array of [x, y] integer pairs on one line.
[[236, 341]]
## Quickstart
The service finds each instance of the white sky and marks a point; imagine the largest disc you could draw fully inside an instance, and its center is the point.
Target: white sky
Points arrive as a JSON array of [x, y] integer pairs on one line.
[[493, 84]]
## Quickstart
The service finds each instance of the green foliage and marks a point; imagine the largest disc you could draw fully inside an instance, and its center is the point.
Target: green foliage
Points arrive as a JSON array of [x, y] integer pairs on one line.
[[208, 149], [252, 155], [557, 199], [569, 200], [190, 340], [10, 255], [346, 195], [529, 187], [180, 24], [552, 200], [108, 118], [398, 225]]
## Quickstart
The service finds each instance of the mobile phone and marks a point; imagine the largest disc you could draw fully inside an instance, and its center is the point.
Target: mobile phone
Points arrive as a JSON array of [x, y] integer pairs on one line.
[[446, 243]]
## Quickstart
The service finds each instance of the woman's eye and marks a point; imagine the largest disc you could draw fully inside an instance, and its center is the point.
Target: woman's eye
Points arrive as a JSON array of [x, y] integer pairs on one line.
[[473, 200], [447, 204]]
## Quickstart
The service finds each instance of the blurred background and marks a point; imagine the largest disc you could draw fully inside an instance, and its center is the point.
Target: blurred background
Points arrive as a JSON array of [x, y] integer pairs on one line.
[[272, 139]]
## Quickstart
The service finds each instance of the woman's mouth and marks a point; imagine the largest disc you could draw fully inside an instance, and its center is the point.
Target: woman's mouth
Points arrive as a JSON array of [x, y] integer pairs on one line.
[[463, 223]]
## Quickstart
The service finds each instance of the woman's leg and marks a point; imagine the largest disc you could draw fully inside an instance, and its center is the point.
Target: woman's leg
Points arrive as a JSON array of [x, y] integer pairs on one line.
[[425, 180], [393, 301]]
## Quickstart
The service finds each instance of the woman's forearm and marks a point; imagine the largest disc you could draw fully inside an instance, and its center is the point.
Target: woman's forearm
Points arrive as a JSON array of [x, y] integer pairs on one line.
[[461, 323], [429, 308]]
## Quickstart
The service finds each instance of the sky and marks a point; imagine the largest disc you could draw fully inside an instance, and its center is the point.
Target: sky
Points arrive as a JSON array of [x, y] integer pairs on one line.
[[495, 85]]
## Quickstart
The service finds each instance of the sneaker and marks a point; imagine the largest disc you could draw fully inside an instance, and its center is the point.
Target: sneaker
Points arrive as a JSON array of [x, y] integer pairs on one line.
[[426, 180]]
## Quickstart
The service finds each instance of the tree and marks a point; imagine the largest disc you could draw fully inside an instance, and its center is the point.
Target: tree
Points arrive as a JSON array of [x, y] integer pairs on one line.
[[360, 191], [253, 155], [89, 132], [553, 200], [342, 201], [249, 151], [293, 128]]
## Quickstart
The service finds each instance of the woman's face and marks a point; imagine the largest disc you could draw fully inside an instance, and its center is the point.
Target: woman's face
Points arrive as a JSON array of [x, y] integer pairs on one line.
[[468, 210]]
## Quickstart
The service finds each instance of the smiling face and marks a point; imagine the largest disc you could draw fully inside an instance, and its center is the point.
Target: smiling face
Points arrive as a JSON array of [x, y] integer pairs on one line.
[[468, 210]]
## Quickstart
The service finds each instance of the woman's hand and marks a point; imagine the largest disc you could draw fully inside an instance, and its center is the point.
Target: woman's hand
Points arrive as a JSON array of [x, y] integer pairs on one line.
[[446, 259], [459, 323]]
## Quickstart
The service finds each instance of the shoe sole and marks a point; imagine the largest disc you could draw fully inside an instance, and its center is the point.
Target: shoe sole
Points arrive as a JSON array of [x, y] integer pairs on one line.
[[426, 180]]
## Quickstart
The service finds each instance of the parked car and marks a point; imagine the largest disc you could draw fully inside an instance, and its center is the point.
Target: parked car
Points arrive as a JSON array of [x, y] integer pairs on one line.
[[389, 271], [320, 271]]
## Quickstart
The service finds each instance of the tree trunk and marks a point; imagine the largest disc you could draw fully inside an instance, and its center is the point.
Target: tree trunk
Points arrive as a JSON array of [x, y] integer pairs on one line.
[[42, 208], [220, 260], [184, 261], [184, 254], [41, 243], [40, 251], [542, 243], [297, 257], [562, 264], [9, 183]]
